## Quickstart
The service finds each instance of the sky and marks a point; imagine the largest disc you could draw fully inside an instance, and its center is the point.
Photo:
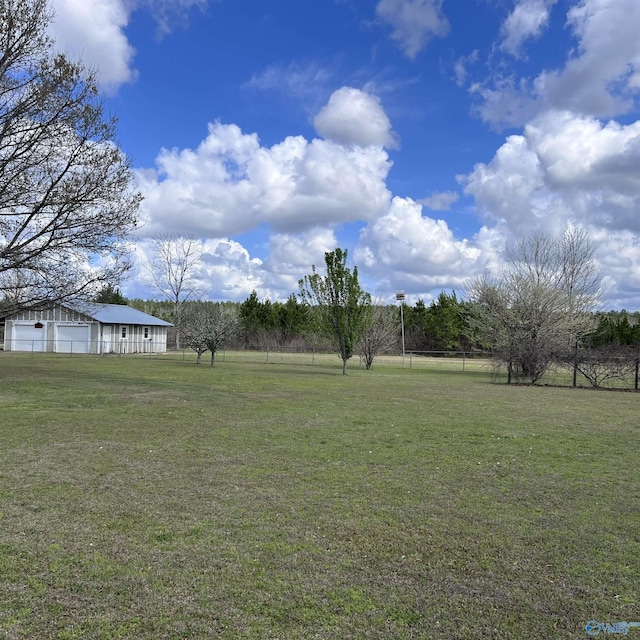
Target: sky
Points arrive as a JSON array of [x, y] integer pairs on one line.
[[423, 136]]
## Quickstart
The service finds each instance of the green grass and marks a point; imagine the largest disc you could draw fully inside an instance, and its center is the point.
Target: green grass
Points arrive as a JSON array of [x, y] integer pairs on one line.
[[146, 498]]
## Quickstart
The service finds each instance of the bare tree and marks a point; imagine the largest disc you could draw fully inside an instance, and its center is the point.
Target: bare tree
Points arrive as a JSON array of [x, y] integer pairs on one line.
[[171, 271], [208, 326], [579, 270], [539, 304], [66, 202], [601, 365], [381, 335]]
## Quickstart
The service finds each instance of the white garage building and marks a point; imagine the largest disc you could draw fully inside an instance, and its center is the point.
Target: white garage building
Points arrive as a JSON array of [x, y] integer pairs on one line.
[[87, 328]]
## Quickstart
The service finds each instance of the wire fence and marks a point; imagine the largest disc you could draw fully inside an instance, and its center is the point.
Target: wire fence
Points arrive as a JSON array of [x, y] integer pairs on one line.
[[85, 347], [449, 360], [452, 360], [614, 372]]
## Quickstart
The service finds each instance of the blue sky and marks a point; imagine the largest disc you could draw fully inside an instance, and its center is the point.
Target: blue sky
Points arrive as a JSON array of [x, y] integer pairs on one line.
[[421, 135]]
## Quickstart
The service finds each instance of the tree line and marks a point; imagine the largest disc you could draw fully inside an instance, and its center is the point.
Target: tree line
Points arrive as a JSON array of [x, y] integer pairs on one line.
[[329, 311], [264, 325], [537, 313]]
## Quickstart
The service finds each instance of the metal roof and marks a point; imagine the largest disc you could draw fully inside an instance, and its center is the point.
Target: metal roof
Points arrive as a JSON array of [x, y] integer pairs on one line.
[[118, 314]]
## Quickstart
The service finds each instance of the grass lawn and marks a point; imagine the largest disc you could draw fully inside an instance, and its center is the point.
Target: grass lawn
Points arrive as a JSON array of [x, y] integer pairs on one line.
[[152, 499]]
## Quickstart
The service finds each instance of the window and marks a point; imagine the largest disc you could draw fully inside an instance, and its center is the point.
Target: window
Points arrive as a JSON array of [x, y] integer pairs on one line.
[[123, 331], [146, 332]]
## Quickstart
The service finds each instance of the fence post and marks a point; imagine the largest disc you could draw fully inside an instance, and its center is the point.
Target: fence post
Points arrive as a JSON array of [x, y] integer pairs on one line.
[[267, 361], [464, 359], [636, 376]]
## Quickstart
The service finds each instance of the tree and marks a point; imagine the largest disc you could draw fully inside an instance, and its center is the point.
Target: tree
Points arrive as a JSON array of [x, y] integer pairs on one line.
[[533, 312], [250, 315], [267, 325], [260, 322], [381, 335], [445, 323], [415, 322], [292, 318], [208, 326], [343, 307], [614, 329], [110, 295], [609, 352], [605, 363], [171, 268], [66, 202]]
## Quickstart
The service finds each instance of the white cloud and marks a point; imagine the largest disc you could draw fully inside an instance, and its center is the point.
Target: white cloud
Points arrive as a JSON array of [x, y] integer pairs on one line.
[[587, 153], [440, 201], [461, 64], [225, 272], [299, 191], [230, 184], [169, 13], [563, 169], [506, 101], [619, 255], [420, 252], [93, 30], [294, 79], [414, 22], [354, 117], [228, 272], [504, 188], [601, 77], [292, 255], [527, 20]]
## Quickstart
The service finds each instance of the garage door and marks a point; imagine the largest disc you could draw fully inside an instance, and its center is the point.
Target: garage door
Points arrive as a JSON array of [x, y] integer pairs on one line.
[[26, 337], [72, 339]]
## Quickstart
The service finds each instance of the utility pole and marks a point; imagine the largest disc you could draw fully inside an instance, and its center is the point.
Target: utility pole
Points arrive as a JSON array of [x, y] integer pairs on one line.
[[400, 297]]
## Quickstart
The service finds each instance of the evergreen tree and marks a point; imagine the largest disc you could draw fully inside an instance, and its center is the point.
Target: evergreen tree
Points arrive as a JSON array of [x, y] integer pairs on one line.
[[110, 295]]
